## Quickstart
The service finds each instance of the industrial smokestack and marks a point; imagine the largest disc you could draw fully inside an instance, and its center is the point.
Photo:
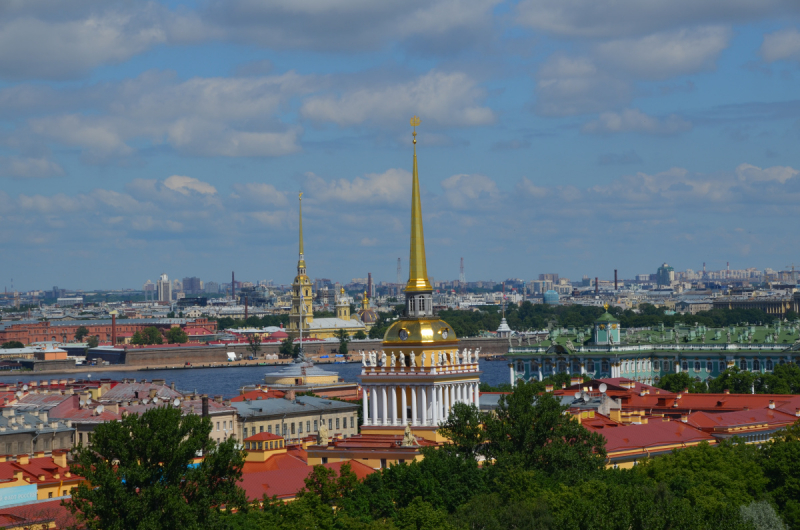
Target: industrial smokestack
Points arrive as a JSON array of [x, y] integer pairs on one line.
[[596, 286], [615, 280], [113, 329], [369, 285], [233, 285], [245, 307]]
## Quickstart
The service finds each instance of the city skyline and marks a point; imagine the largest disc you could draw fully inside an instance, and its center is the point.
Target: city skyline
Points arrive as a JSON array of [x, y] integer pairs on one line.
[[554, 136]]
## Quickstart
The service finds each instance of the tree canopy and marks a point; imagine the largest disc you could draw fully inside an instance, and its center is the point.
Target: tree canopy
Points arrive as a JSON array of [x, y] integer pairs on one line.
[[140, 474]]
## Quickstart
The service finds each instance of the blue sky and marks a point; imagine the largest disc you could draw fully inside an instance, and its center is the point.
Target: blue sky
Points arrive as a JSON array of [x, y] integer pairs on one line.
[[570, 136]]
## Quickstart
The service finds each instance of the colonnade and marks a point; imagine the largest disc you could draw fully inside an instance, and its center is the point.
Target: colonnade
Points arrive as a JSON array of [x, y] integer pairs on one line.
[[417, 404]]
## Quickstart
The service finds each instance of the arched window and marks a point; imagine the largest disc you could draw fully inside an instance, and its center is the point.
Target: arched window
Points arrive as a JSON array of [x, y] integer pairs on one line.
[[743, 364], [576, 367], [604, 367], [709, 366], [697, 366], [769, 365], [685, 366], [520, 366], [590, 366], [756, 365]]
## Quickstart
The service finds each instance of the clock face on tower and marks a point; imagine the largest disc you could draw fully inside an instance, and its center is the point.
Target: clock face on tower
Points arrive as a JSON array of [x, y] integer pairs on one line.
[[403, 334]]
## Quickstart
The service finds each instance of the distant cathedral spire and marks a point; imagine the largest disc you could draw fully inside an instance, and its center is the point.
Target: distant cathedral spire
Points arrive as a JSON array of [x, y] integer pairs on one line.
[[417, 268], [301, 262]]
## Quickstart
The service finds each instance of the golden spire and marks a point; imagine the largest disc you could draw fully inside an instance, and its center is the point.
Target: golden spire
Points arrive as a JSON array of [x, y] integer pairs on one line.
[[301, 263], [417, 268]]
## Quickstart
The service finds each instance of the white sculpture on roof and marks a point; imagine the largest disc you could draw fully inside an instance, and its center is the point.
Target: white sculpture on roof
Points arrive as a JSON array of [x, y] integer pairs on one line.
[[414, 359], [394, 360], [425, 356], [383, 359], [363, 358]]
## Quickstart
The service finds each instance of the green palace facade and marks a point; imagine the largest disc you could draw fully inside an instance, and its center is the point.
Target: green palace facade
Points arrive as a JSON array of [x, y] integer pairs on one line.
[[647, 354]]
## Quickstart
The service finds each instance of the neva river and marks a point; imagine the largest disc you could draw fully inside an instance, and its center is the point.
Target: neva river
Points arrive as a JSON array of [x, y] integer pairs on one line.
[[228, 381]]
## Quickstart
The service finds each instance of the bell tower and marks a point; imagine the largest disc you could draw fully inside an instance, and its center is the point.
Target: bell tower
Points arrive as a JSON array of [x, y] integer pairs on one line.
[[302, 311]]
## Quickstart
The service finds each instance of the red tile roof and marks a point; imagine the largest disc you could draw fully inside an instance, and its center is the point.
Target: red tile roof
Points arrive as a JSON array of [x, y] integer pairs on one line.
[[254, 395], [649, 436], [710, 421], [287, 483], [263, 436], [275, 462], [26, 515]]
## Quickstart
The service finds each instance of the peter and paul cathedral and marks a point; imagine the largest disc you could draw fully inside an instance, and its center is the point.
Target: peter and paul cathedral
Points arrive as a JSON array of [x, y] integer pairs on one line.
[[301, 315], [421, 373]]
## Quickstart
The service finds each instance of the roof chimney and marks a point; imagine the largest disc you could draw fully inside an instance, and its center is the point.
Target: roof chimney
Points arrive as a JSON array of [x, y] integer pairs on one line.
[[771, 404], [204, 399]]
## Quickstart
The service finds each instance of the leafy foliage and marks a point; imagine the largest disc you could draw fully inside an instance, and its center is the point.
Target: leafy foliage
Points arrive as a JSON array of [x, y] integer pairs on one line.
[[141, 476], [93, 341], [12, 344], [148, 336], [176, 335], [81, 332]]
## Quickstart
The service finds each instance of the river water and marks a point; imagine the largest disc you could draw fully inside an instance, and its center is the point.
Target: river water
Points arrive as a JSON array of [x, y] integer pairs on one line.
[[227, 381]]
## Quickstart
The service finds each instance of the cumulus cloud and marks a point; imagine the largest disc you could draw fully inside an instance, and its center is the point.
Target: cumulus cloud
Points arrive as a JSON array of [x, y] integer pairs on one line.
[[783, 44], [27, 167], [527, 188], [260, 193], [750, 173], [342, 25], [75, 41], [231, 117], [188, 185], [442, 99], [462, 191], [634, 120], [666, 54], [567, 86], [390, 187], [615, 18]]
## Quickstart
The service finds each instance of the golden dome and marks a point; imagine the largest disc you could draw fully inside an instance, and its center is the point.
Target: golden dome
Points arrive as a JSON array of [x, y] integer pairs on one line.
[[426, 331]]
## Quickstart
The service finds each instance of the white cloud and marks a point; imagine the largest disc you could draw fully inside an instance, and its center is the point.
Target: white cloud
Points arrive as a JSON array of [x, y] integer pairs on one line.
[[463, 191], [667, 54], [339, 25], [528, 188], [58, 47], [260, 193], [440, 98], [187, 185], [783, 44], [26, 167], [232, 117], [749, 173], [575, 85], [390, 187], [622, 18], [634, 120]]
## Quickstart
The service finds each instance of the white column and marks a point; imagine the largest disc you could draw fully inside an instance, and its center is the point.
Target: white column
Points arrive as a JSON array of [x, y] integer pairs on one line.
[[424, 403], [393, 405], [477, 395], [384, 416], [511, 373], [468, 393], [447, 401], [434, 405], [365, 404], [374, 391], [413, 405], [403, 405]]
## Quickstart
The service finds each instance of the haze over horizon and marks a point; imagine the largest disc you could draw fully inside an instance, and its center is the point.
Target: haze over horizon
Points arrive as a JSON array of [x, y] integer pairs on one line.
[[568, 136]]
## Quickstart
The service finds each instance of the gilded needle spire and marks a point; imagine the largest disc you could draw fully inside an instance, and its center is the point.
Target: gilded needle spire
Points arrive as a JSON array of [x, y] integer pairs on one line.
[[301, 263], [417, 268]]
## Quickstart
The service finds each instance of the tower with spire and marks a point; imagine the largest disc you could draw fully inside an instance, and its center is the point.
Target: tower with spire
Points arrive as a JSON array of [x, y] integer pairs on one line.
[[421, 372], [302, 313]]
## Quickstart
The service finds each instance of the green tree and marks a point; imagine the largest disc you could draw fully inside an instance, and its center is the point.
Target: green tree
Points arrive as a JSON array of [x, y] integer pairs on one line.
[[677, 382], [344, 338], [171, 314], [289, 348], [80, 333], [532, 431], [378, 331], [360, 335], [176, 335], [779, 462], [93, 341], [254, 344], [139, 474], [12, 344], [733, 379], [464, 428], [325, 484], [137, 339], [151, 335]]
